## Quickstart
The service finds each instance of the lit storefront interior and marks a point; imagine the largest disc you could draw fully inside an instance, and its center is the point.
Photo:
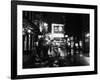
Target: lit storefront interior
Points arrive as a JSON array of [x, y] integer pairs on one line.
[[55, 39]]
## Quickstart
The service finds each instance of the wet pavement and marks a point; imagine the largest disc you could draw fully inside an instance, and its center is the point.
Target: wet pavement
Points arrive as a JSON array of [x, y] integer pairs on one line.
[[74, 60]]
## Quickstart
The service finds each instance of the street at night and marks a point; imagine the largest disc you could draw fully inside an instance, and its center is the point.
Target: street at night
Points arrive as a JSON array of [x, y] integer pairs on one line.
[[55, 39], [75, 60]]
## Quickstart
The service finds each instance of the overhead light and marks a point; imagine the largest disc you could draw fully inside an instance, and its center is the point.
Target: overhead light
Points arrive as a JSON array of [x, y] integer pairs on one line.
[[45, 24], [76, 44], [29, 31], [66, 35], [87, 35], [80, 43]]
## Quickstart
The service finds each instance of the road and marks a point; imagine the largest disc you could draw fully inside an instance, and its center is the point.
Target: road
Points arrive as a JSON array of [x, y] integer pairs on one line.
[[75, 60]]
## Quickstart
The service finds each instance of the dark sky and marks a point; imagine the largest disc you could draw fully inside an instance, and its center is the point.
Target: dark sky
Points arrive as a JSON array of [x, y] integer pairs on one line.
[[75, 24]]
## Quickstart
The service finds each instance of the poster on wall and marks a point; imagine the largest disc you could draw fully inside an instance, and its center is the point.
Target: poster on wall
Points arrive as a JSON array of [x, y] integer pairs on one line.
[[53, 39]]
